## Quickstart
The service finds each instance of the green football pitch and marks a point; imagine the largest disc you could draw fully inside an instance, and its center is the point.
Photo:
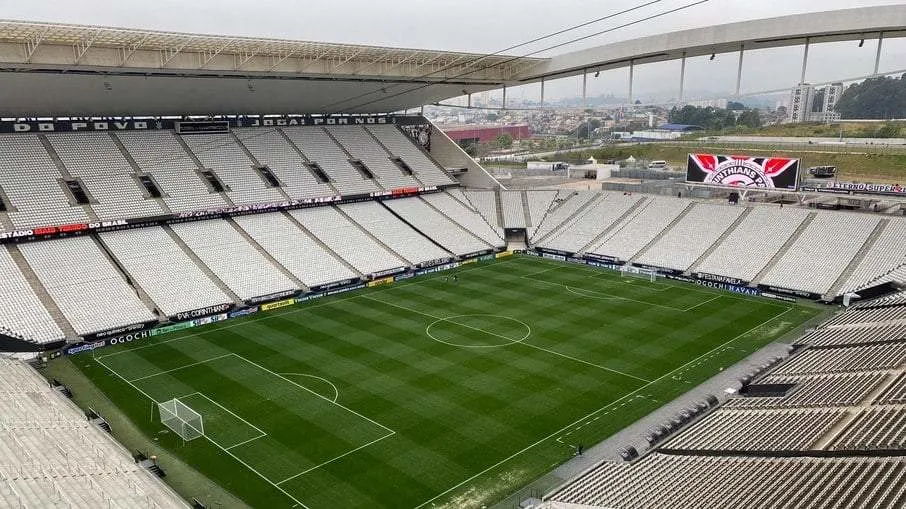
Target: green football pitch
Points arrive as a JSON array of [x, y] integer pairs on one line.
[[432, 392]]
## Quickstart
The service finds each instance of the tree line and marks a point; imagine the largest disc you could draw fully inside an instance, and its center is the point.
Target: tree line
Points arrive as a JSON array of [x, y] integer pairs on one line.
[[876, 98], [715, 119]]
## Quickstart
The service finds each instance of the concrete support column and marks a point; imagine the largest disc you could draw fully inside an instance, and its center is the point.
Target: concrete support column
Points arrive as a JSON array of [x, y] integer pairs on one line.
[[504, 97], [542, 92], [584, 88], [682, 78], [808, 42], [878, 54], [739, 70], [631, 78]]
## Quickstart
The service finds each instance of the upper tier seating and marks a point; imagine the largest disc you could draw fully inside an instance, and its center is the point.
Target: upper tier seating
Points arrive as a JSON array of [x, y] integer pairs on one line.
[[163, 270], [822, 252], [426, 170], [20, 308], [271, 149], [294, 249], [754, 241], [348, 240], [87, 287], [438, 226], [361, 145], [395, 234], [689, 238], [160, 154], [232, 259], [320, 148], [97, 161], [31, 181], [221, 153]]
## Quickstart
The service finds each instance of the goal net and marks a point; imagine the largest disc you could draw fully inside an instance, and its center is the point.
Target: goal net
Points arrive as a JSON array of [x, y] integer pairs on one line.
[[638, 272], [184, 421]]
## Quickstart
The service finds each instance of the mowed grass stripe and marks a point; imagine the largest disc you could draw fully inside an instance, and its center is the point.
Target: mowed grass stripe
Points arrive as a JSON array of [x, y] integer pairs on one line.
[[456, 412]]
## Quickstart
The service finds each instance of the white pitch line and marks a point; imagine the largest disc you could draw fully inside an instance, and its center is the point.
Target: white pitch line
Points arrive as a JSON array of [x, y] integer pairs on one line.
[[247, 441], [259, 430], [306, 389], [712, 299], [568, 426], [511, 341], [338, 457], [335, 390], [214, 442], [276, 314], [179, 368], [606, 296]]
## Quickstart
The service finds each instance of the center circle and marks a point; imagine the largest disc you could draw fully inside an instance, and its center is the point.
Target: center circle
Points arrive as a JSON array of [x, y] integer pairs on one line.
[[478, 331]]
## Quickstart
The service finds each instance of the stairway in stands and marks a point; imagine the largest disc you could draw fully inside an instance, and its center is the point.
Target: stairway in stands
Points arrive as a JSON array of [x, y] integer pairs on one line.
[[321, 243], [619, 221], [569, 219], [663, 232], [372, 237], [786, 247], [41, 292], [58, 162], [201, 265], [742, 217], [131, 281], [267, 256], [851, 267]]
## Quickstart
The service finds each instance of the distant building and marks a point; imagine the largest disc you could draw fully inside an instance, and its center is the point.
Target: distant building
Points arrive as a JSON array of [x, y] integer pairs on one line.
[[801, 99], [468, 134], [802, 102], [720, 104]]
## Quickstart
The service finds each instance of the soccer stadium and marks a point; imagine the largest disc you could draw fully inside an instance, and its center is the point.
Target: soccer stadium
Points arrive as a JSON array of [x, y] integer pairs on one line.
[[243, 272]]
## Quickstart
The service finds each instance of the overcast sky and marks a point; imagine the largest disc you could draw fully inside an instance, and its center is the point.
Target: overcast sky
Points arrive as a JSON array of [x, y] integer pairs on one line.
[[491, 25]]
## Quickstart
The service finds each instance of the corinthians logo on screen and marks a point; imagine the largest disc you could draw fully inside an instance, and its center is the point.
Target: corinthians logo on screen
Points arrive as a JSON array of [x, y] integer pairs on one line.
[[743, 171]]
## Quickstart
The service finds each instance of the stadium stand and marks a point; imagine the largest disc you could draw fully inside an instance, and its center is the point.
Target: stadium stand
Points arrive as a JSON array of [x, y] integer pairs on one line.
[[539, 202], [563, 207], [303, 256], [397, 143], [348, 240], [875, 428], [223, 155], [640, 228], [89, 289], [393, 233], [691, 236], [895, 393], [33, 185], [21, 309], [485, 202], [157, 263], [233, 259], [816, 390], [757, 430], [97, 161], [443, 230], [161, 155], [591, 222], [887, 254], [514, 215], [466, 218], [318, 147], [361, 145], [677, 481], [272, 149], [847, 359], [760, 235], [829, 244], [51, 456]]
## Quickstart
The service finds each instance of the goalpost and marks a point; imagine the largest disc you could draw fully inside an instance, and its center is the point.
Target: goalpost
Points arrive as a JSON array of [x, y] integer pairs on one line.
[[180, 418], [638, 272]]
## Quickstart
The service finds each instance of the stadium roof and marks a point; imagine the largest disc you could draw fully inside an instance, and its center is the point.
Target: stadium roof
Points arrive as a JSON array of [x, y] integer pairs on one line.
[[57, 69]]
